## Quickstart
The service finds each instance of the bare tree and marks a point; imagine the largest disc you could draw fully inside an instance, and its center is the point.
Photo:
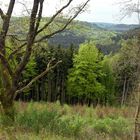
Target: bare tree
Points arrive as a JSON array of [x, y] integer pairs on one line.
[[129, 8], [10, 76]]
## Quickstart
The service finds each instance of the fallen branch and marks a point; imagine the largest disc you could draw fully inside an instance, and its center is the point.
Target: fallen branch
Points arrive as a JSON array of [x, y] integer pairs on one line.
[[38, 77]]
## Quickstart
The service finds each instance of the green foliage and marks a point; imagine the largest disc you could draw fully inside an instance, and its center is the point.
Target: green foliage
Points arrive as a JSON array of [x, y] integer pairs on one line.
[[52, 121], [84, 78], [39, 120], [126, 65], [108, 79], [93, 32], [36, 120], [114, 127], [30, 70], [70, 125], [128, 56]]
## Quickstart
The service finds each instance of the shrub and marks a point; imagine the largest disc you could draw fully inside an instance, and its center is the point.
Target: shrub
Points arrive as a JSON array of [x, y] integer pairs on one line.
[[36, 120], [70, 125], [51, 121], [118, 126]]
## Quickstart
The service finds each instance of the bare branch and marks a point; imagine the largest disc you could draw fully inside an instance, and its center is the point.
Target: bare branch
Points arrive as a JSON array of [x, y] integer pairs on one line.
[[8, 17], [3, 33], [128, 8], [54, 16], [30, 39], [6, 64], [16, 50], [2, 14], [24, 5], [32, 32], [38, 77], [39, 15], [66, 24], [14, 36], [47, 24]]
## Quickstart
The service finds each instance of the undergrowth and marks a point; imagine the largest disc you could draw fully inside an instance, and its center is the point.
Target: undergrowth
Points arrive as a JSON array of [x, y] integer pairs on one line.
[[77, 122]]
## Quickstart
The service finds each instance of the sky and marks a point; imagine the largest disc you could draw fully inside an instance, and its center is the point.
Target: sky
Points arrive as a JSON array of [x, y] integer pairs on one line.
[[106, 11], [98, 10]]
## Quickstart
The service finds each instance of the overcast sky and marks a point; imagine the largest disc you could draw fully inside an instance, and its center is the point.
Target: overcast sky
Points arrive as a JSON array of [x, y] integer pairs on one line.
[[106, 11], [99, 10]]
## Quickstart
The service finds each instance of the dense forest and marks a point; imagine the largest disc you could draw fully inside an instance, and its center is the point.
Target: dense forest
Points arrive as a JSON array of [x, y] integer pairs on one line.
[[66, 79], [91, 72]]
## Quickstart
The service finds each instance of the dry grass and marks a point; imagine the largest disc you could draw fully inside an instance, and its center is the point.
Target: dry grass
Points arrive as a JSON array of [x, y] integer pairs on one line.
[[22, 134], [126, 112], [94, 126], [99, 111]]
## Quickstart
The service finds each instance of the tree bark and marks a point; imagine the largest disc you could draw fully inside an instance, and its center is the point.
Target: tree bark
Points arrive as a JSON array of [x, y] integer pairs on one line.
[[124, 90], [137, 122], [8, 105], [62, 90], [49, 88]]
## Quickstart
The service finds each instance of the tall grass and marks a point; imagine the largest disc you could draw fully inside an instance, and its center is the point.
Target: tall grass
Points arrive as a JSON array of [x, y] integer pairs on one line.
[[76, 122]]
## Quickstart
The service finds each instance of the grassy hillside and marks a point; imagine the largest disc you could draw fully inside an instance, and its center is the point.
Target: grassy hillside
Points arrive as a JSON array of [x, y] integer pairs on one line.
[[79, 32], [51, 121], [104, 35]]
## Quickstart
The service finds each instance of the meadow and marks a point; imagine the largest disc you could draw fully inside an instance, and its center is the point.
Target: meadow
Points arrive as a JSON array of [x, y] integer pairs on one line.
[[51, 121]]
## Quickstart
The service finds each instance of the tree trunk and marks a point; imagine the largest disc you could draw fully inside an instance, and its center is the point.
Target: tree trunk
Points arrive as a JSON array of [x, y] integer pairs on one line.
[[7, 94], [137, 122], [7, 103], [62, 91], [124, 90], [49, 88], [127, 91], [89, 102], [8, 109]]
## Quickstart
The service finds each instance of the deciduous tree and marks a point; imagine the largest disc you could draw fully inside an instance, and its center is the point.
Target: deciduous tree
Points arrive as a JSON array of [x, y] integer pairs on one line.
[[10, 76], [84, 78]]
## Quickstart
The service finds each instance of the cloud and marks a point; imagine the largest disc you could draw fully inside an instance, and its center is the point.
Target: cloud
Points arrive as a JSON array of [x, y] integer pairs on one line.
[[99, 10]]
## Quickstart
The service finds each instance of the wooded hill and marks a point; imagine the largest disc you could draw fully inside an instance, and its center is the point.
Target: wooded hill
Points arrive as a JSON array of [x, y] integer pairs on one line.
[[103, 34], [64, 46]]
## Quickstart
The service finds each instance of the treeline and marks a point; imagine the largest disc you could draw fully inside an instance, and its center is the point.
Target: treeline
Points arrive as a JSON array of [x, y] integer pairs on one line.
[[85, 76]]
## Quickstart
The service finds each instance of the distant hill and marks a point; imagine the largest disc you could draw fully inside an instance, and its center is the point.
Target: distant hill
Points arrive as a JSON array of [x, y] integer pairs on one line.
[[105, 35], [117, 27], [80, 32], [66, 38]]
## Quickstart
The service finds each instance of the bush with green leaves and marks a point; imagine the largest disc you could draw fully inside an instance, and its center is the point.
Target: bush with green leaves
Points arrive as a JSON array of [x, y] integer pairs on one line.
[[36, 120], [115, 127], [51, 121], [75, 122], [70, 125]]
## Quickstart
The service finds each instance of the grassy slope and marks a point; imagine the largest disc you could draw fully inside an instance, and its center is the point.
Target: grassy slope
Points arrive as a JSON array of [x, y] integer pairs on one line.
[[45, 121]]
